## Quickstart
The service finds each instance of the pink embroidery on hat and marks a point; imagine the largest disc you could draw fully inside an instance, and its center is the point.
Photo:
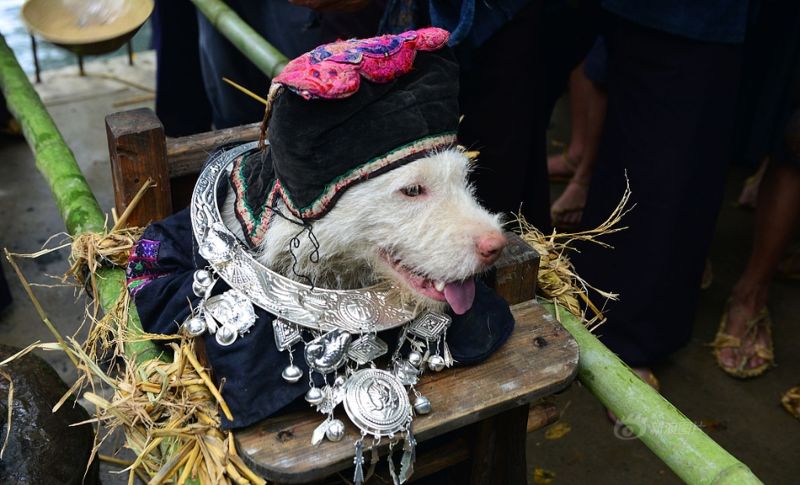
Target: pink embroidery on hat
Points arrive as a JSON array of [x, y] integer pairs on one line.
[[334, 70]]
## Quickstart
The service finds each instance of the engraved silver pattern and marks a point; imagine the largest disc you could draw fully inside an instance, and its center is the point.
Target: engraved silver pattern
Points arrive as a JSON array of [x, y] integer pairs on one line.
[[366, 349], [356, 311], [286, 334], [232, 309], [328, 352], [377, 402], [429, 325]]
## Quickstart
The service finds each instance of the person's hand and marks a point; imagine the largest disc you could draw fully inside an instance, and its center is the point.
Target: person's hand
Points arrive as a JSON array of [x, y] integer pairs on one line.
[[332, 5]]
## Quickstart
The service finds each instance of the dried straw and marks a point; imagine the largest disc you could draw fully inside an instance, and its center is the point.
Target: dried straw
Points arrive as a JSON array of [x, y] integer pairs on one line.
[[168, 410], [557, 278]]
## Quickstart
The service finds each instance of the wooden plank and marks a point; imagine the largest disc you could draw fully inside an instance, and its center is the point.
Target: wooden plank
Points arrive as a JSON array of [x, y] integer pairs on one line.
[[188, 154], [137, 148], [539, 359]]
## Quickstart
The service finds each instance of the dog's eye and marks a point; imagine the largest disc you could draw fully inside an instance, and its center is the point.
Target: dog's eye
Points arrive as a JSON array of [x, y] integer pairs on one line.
[[412, 190]]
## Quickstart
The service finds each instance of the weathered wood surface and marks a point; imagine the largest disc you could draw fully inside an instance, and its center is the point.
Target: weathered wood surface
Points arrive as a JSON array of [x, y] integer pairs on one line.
[[188, 154], [138, 151], [540, 359]]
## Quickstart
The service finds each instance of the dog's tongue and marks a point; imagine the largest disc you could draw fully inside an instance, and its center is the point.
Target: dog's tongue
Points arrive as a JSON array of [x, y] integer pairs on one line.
[[460, 295]]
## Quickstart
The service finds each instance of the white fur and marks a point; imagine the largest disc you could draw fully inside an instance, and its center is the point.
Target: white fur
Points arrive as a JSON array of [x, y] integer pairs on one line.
[[433, 234]]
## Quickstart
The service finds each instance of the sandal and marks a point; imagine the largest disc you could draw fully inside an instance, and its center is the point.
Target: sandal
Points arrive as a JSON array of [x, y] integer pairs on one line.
[[791, 401], [727, 341], [572, 166]]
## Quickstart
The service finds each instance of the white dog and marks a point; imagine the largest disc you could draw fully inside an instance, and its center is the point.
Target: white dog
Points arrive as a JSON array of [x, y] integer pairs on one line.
[[417, 226]]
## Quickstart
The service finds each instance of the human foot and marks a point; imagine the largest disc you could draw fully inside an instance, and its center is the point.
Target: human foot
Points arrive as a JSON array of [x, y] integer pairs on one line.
[[743, 345], [567, 210], [562, 165]]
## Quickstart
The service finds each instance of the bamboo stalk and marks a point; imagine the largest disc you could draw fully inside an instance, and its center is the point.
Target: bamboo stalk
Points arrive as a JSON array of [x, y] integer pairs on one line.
[[75, 200], [266, 58], [678, 442]]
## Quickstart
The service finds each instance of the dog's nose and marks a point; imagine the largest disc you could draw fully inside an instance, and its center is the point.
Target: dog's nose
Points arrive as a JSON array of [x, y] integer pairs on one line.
[[490, 246]]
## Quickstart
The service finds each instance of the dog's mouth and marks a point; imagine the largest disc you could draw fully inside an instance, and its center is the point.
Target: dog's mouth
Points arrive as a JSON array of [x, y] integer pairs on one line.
[[459, 294]]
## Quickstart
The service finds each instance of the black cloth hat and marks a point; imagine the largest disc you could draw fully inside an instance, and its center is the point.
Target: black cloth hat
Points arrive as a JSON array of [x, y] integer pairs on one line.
[[329, 130]]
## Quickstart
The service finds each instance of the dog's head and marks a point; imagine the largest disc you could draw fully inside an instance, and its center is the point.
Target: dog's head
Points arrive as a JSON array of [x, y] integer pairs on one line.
[[418, 227], [343, 152]]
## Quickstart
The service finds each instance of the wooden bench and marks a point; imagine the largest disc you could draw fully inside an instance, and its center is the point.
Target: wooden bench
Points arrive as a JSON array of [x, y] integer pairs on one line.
[[481, 413]]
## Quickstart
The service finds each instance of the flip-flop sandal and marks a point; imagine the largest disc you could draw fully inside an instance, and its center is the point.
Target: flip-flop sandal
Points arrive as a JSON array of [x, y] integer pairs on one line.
[[791, 401], [571, 164], [727, 341]]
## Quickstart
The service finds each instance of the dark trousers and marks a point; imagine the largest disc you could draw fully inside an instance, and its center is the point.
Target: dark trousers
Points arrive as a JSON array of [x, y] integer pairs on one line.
[[291, 29], [181, 102], [509, 86], [668, 126], [503, 117]]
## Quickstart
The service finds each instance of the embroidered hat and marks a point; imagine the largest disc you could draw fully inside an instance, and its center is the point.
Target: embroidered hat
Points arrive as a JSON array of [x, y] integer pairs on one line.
[[329, 129]]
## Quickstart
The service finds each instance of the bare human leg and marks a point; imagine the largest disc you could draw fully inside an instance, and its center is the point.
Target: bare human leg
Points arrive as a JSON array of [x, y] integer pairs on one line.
[[777, 214], [564, 164], [567, 210]]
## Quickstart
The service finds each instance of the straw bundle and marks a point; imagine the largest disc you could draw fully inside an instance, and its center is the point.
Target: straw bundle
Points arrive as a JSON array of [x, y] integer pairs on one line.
[[169, 412], [167, 407], [557, 278]]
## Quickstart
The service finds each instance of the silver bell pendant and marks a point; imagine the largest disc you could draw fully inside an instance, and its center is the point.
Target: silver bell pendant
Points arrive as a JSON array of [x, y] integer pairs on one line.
[[292, 374], [422, 405], [195, 326], [314, 396], [335, 431], [225, 335], [435, 363], [415, 358]]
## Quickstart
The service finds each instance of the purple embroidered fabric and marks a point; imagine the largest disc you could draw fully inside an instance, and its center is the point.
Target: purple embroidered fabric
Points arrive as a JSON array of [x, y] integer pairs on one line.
[[334, 70], [142, 265]]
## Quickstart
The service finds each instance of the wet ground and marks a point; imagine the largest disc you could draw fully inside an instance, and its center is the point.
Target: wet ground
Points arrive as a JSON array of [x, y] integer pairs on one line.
[[744, 417]]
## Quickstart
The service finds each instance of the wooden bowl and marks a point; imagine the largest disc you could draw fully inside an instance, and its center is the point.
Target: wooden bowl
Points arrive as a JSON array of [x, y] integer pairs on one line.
[[56, 22]]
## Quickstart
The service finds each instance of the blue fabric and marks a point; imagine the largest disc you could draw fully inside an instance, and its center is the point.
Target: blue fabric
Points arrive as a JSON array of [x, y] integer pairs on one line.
[[596, 64], [705, 20], [470, 22], [291, 29], [251, 367]]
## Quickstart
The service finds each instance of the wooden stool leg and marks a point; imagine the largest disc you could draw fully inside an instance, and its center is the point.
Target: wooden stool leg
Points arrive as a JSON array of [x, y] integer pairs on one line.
[[498, 452]]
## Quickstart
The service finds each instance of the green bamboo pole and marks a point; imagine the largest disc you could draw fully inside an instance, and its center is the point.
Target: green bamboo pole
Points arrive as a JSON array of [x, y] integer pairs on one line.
[[76, 202], [54, 159], [678, 442], [267, 58]]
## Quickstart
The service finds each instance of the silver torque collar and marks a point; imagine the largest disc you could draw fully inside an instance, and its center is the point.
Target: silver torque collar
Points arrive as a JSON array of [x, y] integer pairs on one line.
[[355, 311]]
